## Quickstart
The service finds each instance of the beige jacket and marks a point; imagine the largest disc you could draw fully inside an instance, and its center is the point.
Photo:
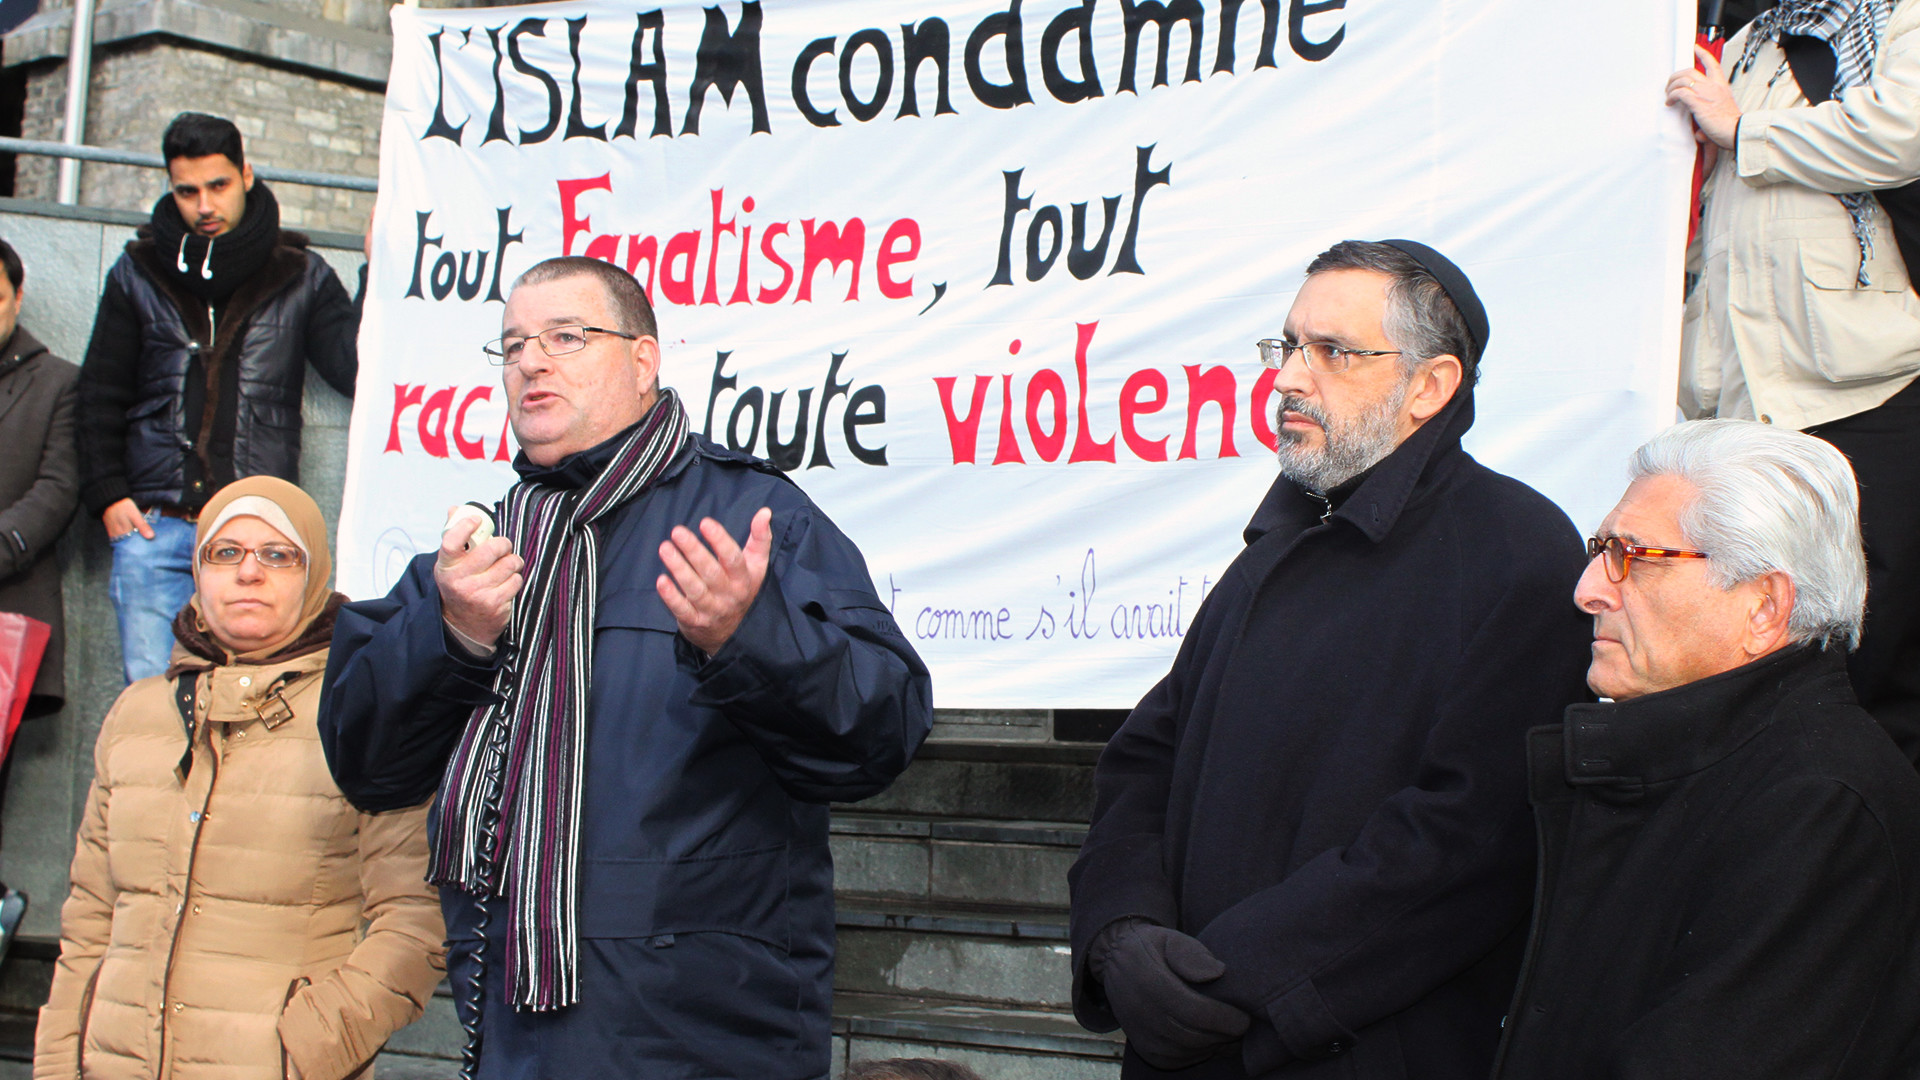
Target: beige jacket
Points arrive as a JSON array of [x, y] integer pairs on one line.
[[215, 927], [1777, 328]]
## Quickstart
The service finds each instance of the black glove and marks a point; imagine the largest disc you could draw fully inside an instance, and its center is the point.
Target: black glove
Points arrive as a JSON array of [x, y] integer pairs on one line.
[[1145, 970]]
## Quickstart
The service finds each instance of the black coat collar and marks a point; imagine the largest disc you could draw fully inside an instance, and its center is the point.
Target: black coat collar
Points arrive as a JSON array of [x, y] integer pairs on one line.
[[1387, 489], [19, 349], [1681, 731]]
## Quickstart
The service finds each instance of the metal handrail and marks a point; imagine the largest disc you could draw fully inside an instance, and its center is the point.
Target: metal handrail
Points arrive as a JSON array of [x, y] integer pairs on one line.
[[10, 145]]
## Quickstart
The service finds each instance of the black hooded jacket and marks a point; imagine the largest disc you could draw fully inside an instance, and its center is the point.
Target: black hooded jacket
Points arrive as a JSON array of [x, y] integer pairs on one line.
[[1729, 886], [195, 371], [1329, 787]]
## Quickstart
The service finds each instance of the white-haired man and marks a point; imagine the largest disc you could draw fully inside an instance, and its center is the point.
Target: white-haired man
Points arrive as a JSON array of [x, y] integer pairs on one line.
[[1730, 873]]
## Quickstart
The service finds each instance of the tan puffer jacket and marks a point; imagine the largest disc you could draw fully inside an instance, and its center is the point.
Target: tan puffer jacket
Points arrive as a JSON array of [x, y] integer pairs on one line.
[[214, 930]]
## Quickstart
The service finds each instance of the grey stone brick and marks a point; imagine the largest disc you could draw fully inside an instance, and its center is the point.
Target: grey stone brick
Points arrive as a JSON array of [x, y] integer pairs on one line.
[[289, 119]]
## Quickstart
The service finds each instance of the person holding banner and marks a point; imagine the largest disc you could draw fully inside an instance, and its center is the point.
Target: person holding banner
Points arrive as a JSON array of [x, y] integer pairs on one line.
[[1311, 839], [1804, 313], [635, 704]]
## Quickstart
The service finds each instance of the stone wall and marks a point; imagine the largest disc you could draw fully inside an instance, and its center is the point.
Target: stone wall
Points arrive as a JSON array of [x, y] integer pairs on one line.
[[303, 80], [288, 119]]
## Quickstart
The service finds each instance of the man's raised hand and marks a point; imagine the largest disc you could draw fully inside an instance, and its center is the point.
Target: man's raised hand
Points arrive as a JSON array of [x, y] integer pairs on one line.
[[709, 586], [477, 586]]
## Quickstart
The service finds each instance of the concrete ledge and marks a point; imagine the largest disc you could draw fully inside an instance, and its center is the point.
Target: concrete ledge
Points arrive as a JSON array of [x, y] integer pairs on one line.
[[1053, 834], [857, 913], [973, 1026], [320, 46]]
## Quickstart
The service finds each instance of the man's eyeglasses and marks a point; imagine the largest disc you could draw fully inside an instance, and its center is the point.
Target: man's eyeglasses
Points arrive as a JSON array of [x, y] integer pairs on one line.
[[554, 340], [271, 556], [1620, 555], [1323, 357]]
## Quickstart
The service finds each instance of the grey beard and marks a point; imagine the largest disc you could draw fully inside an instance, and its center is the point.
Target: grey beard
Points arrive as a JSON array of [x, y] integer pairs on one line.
[[1351, 447]]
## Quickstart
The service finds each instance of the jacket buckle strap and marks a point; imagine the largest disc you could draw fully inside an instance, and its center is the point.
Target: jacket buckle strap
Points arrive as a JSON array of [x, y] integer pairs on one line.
[[183, 698], [272, 708]]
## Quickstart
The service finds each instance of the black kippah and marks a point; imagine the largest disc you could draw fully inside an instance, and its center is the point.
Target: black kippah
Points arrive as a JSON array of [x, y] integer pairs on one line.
[[1457, 287]]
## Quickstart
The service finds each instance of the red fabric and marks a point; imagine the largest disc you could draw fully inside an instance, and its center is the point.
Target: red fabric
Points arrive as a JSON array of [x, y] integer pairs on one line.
[[23, 640], [1715, 44]]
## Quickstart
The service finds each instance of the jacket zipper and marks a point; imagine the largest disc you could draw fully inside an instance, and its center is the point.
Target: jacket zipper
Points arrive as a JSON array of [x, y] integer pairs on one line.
[[180, 916], [1325, 503], [1524, 982], [86, 1017], [293, 989]]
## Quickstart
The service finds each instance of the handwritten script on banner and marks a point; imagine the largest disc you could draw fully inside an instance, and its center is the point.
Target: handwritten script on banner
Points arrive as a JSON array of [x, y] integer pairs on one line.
[[985, 278]]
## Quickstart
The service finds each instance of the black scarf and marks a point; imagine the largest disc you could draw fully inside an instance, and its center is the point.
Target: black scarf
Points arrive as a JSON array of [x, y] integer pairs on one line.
[[211, 268], [509, 806]]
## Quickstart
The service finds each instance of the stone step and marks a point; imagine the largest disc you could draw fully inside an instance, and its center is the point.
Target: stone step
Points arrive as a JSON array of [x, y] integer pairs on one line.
[[936, 859], [979, 953], [996, 780], [436, 1034], [396, 1066], [996, 1041]]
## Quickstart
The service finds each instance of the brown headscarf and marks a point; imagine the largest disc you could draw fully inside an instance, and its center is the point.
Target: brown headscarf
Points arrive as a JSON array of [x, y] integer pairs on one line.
[[296, 509]]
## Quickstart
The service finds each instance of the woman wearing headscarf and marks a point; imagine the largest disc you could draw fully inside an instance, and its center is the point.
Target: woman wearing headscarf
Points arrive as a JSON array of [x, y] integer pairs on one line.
[[220, 880]]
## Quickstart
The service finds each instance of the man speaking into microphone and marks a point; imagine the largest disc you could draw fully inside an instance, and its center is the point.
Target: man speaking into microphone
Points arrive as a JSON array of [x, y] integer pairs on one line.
[[634, 704]]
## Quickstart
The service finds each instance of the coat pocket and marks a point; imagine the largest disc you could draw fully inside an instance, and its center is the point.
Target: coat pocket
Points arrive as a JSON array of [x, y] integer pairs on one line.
[[741, 892], [1853, 332]]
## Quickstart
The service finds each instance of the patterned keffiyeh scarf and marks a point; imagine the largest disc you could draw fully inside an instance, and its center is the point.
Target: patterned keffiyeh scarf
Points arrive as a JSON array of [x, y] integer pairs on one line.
[[509, 805], [1854, 29]]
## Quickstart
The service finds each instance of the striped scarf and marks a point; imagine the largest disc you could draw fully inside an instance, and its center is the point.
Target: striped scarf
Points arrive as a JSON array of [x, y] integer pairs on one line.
[[1853, 29], [516, 775]]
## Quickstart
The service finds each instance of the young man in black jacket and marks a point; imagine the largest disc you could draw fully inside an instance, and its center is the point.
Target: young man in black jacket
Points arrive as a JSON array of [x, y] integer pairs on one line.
[[194, 374], [1730, 846]]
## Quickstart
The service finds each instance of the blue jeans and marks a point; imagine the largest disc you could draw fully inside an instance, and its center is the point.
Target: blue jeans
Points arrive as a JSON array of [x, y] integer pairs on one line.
[[152, 580]]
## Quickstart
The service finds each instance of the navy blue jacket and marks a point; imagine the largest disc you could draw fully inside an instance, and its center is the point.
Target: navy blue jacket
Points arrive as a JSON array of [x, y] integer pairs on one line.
[[1329, 787], [706, 886]]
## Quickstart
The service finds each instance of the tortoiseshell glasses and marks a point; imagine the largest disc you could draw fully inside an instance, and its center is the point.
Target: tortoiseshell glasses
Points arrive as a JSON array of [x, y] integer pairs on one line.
[[1620, 555]]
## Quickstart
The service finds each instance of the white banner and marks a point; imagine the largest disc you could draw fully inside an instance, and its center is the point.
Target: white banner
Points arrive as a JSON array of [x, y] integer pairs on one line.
[[986, 279]]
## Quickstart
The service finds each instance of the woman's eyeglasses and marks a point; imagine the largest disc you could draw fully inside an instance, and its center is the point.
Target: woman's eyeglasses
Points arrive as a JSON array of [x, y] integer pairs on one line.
[[271, 556]]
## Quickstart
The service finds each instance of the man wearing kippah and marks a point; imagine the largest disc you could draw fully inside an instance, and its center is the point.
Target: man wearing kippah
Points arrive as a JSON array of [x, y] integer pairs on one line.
[[1311, 852]]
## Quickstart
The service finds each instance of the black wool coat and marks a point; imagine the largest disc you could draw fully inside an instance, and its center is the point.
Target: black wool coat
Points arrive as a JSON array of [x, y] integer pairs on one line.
[[1329, 788], [39, 488], [1729, 886]]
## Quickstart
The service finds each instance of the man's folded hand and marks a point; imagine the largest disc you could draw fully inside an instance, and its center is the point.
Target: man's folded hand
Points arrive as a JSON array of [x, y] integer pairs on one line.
[[1148, 973]]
